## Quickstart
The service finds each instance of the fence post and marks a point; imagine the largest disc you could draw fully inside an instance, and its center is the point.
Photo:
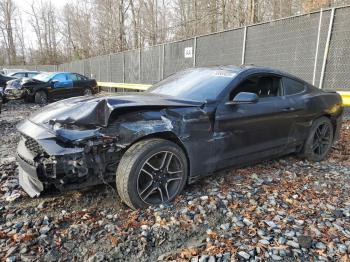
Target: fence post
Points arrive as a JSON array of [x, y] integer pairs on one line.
[[159, 63], [83, 61], [109, 68], [244, 44], [326, 49], [90, 68], [99, 68], [194, 51], [163, 61], [139, 65], [123, 67], [317, 47]]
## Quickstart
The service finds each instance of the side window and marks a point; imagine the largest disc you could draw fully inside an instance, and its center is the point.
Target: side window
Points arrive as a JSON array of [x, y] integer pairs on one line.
[[81, 77], [292, 87], [75, 77], [60, 77], [263, 86], [32, 74], [19, 75]]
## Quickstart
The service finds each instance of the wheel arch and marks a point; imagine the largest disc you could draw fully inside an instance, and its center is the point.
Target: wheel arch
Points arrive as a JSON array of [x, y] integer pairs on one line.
[[333, 120], [166, 135], [43, 89]]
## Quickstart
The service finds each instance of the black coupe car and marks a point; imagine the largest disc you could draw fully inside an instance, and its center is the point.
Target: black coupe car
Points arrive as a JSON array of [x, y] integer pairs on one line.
[[187, 126], [47, 86]]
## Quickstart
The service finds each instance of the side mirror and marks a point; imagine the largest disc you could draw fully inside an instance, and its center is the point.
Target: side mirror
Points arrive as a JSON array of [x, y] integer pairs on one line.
[[244, 98], [53, 83]]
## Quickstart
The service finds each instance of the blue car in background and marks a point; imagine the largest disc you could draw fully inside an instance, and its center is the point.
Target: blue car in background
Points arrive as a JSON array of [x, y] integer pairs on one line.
[[49, 86]]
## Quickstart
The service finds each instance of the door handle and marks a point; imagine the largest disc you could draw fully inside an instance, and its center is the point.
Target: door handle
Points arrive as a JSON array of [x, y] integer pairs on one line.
[[287, 109]]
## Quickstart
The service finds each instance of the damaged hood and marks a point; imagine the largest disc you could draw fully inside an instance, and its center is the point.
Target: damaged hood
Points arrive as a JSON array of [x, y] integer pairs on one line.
[[28, 80], [95, 111]]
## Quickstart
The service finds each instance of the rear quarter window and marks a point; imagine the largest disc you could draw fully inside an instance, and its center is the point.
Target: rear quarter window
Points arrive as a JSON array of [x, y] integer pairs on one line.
[[77, 77], [292, 86]]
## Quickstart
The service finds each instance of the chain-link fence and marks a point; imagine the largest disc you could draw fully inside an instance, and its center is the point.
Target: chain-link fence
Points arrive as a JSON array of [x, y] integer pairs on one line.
[[315, 47]]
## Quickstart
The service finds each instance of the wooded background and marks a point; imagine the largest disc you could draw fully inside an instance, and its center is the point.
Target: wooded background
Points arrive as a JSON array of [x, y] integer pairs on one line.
[[45, 34]]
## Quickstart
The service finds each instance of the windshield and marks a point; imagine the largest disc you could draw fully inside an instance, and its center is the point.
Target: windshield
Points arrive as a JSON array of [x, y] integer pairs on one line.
[[195, 84], [44, 77]]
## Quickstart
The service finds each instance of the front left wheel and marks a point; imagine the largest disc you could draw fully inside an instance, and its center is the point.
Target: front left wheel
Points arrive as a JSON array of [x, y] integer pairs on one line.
[[151, 172], [40, 98]]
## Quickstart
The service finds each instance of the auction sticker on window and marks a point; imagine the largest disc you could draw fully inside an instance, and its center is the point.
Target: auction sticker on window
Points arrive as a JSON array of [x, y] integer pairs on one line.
[[224, 73]]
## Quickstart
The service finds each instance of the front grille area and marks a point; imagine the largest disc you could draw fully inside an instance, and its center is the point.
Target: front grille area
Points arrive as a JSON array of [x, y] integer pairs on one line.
[[32, 145]]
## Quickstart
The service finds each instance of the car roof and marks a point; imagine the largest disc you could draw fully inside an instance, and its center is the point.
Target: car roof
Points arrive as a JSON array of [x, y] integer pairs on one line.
[[60, 73], [17, 72], [253, 69], [242, 68]]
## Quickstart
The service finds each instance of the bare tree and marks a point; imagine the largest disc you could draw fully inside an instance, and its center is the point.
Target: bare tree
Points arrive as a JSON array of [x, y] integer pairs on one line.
[[77, 30], [87, 28], [44, 23], [7, 12]]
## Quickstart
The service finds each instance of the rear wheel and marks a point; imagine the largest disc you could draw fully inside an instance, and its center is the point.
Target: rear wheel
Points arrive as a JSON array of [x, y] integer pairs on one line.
[[319, 141], [151, 172], [40, 98], [87, 92]]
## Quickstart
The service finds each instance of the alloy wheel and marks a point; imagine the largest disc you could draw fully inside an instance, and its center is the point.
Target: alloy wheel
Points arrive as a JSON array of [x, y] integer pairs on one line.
[[160, 178], [322, 139]]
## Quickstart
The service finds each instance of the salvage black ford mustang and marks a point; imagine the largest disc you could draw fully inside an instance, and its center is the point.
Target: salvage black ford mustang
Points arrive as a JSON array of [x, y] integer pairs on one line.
[[187, 126]]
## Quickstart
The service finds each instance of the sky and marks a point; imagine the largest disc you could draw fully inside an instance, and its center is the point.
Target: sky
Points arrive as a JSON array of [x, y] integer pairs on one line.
[[24, 8]]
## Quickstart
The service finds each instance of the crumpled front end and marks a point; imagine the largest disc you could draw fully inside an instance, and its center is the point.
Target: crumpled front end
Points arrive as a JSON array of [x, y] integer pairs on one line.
[[14, 89], [78, 142], [14, 93], [47, 160]]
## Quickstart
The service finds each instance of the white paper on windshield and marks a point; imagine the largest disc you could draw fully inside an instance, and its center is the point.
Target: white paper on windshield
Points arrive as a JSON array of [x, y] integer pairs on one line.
[[224, 74]]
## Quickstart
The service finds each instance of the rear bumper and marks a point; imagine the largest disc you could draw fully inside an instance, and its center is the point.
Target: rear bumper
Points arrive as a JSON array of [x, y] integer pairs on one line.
[[95, 89], [338, 126]]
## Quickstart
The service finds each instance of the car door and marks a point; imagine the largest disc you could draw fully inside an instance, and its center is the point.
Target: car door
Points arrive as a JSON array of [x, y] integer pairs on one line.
[[248, 132], [294, 92], [79, 84], [77, 89], [62, 86]]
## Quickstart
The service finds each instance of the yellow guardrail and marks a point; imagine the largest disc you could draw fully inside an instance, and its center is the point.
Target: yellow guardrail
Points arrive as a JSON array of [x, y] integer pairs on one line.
[[142, 87], [345, 95]]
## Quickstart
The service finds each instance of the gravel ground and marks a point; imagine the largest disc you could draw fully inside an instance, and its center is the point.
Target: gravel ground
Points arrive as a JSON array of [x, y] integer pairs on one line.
[[284, 209]]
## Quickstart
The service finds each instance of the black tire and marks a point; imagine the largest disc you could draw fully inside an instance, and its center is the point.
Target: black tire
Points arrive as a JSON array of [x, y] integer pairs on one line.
[[28, 99], [40, 98], [131, 173], [318, 145], [87, 92]]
